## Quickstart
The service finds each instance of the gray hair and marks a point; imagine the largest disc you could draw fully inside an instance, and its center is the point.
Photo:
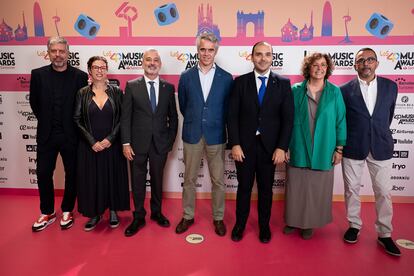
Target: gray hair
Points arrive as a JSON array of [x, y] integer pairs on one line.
[[207, 36], [57, 40]]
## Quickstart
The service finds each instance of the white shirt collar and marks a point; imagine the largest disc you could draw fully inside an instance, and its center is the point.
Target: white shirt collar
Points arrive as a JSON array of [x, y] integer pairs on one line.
[[156, 80], [256, 74]]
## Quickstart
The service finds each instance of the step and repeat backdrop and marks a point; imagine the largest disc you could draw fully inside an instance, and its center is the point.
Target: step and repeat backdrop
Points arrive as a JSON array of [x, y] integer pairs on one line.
[[121, 31]]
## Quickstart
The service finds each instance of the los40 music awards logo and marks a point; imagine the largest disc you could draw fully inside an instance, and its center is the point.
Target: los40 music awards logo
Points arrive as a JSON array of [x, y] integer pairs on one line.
[[402, 60], [73, 58], [277, 59], [189, 59], [125, 60], [7, 60]]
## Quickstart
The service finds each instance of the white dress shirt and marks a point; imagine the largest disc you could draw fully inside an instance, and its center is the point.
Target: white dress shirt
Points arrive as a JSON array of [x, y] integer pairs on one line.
[[258, 81], [206, 80], [369, 93], [156, 86]]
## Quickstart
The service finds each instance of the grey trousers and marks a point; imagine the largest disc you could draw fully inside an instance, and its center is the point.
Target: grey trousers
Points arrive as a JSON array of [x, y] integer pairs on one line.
[[215, 159], [380, 177]]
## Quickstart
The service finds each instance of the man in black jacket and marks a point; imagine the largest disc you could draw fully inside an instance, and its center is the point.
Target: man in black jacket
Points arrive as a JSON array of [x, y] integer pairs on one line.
[[149, 123], [52, 93], [260, 124]]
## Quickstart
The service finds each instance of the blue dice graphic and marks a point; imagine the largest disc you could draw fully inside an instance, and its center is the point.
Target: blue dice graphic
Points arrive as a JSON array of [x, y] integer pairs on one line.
[[86, 26], [378, 25], [166, 14]]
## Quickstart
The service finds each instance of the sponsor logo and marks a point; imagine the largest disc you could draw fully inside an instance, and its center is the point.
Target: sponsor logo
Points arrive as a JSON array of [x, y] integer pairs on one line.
[[398, 166], [400, 154], [32, 171], [4, 159], [403, 141], [404, 103], [33, 181], [398, 188], [28, 136], [126, 61], [1, 99], [404, 85], [31, 148], [24, 83], [1, 136], [1, 169], [7, 60], [401, 131], [26, 127], [3, 180], [28, 115], [32, 160], [230, 174], [279, 183], [25, 102], [404, 119], [402, 60], [400, 177], [194, 238]]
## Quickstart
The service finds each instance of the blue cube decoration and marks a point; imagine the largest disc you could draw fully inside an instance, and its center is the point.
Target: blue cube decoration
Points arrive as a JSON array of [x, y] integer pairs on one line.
[[86, 26], [378, 25], [166, 14]]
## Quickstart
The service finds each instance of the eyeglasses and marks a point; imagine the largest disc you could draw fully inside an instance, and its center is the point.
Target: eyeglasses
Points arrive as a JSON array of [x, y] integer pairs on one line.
[[99, 68], [369, 60]]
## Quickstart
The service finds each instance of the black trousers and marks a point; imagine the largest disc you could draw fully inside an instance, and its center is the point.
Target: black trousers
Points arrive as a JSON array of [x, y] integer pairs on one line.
[[257, 163], [46, 163], [139, 178]]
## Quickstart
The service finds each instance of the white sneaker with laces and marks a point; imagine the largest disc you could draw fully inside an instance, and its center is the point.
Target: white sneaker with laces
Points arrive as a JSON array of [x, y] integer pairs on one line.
[[67, 220]]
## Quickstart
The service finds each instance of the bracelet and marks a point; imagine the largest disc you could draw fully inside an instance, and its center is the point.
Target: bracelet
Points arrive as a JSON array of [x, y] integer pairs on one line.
[[338, 150]]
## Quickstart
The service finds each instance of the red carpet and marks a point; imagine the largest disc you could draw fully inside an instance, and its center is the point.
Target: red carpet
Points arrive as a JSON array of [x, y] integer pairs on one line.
[[159, 251]]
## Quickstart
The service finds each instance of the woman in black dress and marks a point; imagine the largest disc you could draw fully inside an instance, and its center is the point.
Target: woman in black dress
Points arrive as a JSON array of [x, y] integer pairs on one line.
[[102, 170]]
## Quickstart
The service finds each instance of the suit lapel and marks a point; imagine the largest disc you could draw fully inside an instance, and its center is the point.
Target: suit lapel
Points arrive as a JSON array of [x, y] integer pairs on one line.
[[252, 89], [304, 117], [359, 98], [142, 93], [380, 96], [216, 82], [196, 79], [162, 95]]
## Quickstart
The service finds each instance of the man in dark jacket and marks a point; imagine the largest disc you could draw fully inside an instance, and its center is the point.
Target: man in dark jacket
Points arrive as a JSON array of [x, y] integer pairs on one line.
[[52, 93]]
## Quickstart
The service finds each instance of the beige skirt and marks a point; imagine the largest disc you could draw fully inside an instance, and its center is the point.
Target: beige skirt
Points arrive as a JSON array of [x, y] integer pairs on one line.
[[308, 197]]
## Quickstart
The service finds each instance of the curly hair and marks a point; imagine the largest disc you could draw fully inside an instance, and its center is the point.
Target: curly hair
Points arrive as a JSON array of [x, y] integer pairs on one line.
[[310, 59]]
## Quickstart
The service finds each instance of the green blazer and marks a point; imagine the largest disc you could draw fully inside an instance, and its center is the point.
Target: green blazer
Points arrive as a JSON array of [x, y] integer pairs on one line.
[[330, 128]]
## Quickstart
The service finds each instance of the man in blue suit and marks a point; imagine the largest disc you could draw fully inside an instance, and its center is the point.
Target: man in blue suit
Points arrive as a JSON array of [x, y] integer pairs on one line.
[[203, 94], [370, 102]]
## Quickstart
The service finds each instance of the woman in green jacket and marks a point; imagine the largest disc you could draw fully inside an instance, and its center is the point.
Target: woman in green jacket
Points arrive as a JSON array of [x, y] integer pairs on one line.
[[319, 133]]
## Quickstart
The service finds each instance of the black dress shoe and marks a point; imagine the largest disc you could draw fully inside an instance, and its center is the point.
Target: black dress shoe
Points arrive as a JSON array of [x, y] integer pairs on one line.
[[219, 227], [160, 219], [133, 228], [183, 225], [237, 233], [389, 246], [265, 235]]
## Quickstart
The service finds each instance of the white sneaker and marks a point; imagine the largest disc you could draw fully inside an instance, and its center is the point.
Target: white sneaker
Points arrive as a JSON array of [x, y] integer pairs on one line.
[[67, 220], [43, 221]]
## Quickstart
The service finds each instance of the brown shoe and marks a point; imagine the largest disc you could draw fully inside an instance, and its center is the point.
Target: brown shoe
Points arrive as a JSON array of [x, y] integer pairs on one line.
[[183, 225], [220, 227]]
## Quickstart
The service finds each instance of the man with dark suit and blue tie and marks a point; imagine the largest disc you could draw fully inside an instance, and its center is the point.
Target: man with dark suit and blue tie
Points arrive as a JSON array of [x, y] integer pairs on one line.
[[370, 102], [203, 93], [260, 124], [52, 96], [149, 124]]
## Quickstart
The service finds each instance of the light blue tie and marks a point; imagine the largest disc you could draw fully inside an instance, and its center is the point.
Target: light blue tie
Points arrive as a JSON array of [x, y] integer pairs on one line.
[[262, 89], [152, 96]]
